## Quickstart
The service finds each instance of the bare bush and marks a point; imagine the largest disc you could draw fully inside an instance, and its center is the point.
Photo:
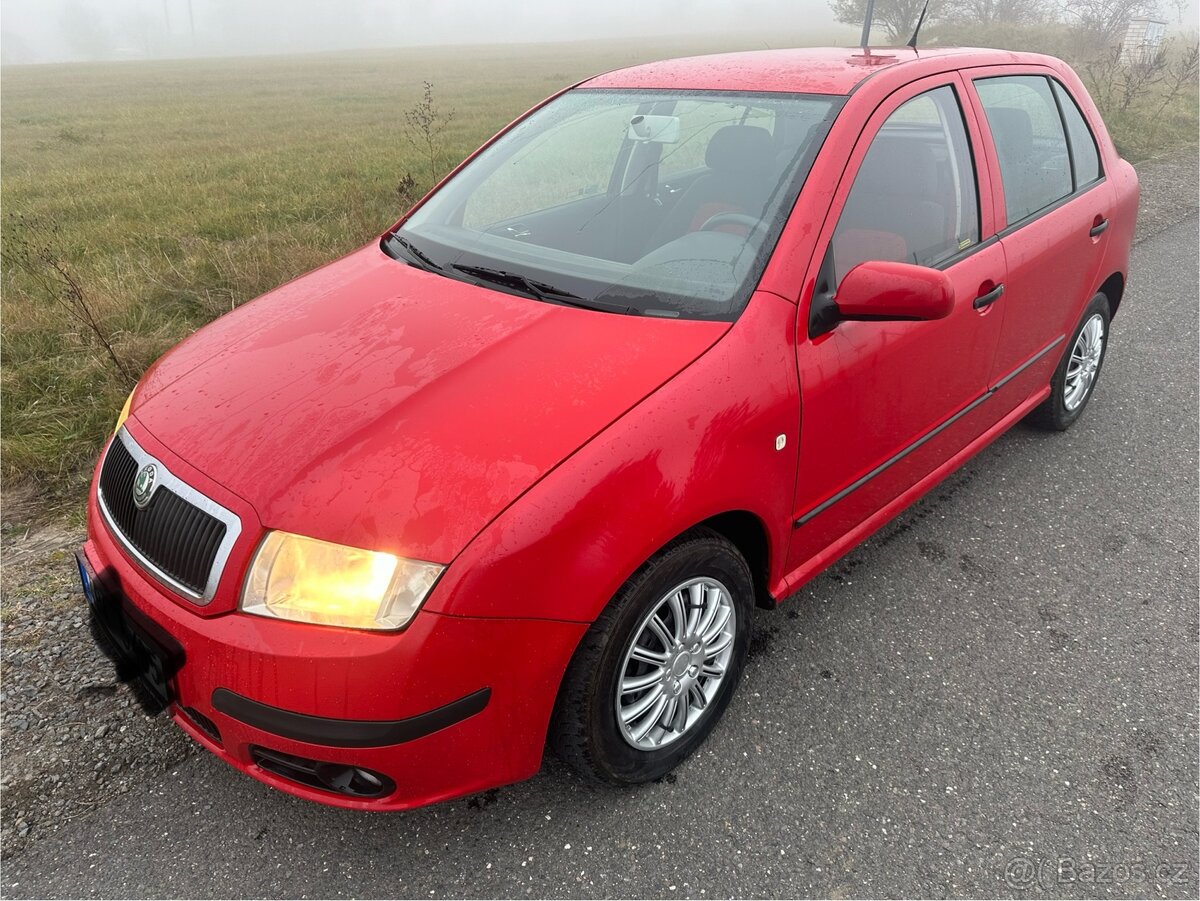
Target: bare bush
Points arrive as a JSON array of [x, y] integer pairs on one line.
[[1116, 84], [1103, 22], [406, 190], [1138, 94], [31, 246], [425, 123], [1183, 69]]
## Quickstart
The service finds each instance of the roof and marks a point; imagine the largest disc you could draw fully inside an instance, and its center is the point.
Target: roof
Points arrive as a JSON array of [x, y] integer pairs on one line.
[[813, 70]]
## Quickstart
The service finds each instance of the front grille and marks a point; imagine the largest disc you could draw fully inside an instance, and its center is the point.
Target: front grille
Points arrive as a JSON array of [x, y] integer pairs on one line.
[[173, 535]]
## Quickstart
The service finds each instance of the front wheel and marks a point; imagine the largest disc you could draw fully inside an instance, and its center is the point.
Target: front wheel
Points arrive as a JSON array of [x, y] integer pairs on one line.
[[1075, 378], [658, 667]]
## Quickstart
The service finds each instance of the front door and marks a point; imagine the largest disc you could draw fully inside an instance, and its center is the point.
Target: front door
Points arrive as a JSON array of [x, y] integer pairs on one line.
[[884, 402]]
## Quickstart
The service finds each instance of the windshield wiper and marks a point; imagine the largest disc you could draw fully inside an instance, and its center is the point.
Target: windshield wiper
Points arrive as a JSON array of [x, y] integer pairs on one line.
[[413, 252], [538, 290]]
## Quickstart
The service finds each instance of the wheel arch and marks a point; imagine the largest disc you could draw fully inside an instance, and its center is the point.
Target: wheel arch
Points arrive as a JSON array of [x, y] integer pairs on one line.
[[745, 530], [1113, 288], [748, 533]]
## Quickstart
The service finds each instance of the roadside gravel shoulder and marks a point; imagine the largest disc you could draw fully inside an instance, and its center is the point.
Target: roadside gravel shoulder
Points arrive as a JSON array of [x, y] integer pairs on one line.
[[1170, 192], [72, 738]]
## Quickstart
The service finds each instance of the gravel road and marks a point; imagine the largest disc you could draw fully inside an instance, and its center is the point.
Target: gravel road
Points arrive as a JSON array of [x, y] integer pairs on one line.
[[1003, 679]]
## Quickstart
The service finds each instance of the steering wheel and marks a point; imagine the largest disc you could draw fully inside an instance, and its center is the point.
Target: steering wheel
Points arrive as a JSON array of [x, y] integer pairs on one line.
[[751, 224]]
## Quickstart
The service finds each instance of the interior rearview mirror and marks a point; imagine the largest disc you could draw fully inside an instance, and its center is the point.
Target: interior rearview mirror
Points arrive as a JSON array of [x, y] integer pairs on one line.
[[659, 129], [891, 291]]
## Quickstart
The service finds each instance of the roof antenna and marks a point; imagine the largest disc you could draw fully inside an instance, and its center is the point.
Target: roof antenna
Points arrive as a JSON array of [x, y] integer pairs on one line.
[[865, 41], [912, 42]]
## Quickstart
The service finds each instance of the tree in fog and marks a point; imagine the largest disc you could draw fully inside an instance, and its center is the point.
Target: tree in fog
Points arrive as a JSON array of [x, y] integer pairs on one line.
[[1105, 21], [1096, 23], [898, 18], [284, 26], [85, 32], [996, 12], [14, 49]]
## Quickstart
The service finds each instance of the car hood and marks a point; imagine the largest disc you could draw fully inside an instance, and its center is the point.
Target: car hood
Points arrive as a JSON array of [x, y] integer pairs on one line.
[[377, 405]]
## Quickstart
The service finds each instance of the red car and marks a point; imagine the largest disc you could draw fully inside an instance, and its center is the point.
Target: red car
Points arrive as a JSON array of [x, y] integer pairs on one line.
[[661, 351]]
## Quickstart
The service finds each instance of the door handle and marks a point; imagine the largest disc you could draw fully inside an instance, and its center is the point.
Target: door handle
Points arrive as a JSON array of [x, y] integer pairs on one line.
[[1098, 229], [985, 300]]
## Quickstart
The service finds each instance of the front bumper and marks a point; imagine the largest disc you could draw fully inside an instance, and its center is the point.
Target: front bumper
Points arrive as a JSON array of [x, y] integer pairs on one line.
[[450, 706]]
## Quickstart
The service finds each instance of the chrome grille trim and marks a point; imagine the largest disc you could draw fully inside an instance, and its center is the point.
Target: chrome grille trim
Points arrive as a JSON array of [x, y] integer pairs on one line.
[[167, 479]]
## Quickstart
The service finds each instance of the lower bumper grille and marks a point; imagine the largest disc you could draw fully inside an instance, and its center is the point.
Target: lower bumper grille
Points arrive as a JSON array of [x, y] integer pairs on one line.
[[203, 723], [340, 778]]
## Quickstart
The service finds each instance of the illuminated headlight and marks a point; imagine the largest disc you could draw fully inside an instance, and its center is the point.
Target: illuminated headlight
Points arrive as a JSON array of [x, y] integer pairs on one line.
[[311, 581]]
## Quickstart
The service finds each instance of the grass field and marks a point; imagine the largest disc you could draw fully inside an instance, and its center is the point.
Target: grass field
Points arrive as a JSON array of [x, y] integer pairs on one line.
[[151, 197]]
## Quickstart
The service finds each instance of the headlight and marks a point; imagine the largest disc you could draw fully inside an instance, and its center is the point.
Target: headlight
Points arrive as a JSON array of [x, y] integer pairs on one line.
[[124, 414], [311, 581]]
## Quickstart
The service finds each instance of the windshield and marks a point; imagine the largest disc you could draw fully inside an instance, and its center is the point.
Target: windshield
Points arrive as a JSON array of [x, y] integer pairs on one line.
[[642, 202]]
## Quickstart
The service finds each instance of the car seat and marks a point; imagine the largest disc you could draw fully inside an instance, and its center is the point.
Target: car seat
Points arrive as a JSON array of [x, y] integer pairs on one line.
[[740, 161]]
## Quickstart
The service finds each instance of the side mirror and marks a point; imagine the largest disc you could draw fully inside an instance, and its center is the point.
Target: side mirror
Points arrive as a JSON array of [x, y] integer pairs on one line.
[[886, 290]]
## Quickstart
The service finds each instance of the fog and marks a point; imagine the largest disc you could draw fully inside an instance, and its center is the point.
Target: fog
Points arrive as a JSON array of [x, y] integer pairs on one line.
[[35, 31]]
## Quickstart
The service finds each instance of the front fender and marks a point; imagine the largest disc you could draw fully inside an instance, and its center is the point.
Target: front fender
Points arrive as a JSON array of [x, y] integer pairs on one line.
[[702, 444]]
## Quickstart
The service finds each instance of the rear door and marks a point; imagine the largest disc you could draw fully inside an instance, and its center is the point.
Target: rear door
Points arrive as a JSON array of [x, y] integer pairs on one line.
[[884, 403], [1054, 203]]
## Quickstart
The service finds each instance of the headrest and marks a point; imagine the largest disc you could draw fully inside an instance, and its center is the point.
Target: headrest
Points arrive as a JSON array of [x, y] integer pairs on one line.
[[899, 165], [1011, 128], [740, 148]]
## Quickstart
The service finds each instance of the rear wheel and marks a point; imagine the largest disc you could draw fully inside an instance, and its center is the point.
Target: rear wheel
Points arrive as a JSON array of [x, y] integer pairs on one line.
[[1075, 378], [658, 667]]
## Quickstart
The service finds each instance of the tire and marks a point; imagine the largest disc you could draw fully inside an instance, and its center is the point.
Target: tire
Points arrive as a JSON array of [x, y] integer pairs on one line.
[[586, 729], [1068, 397]]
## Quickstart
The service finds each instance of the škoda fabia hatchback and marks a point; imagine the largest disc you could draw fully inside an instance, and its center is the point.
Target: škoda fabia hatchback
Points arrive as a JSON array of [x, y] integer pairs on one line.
[[662, 350]]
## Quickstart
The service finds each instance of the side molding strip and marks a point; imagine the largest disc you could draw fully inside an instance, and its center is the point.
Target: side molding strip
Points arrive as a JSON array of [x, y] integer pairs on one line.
[[1037, 356], [932, 433]]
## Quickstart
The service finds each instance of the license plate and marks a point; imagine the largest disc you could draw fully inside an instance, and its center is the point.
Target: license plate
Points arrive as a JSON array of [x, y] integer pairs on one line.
[[145, 662]]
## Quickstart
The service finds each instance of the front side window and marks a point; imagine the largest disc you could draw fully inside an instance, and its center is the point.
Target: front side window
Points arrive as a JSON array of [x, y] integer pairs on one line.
[[1027, 130], [644, 202], [914, 199]]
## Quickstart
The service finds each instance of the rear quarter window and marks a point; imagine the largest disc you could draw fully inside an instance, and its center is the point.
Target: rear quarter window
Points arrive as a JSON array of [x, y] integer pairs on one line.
[[1083, 143]]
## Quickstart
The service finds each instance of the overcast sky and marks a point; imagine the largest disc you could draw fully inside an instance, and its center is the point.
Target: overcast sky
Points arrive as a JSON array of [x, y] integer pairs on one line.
[[59, 30], [56, 30]]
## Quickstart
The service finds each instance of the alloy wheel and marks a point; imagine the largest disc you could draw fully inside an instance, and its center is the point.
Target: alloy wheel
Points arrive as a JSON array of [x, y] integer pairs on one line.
[[676, 664], [1084, 362]]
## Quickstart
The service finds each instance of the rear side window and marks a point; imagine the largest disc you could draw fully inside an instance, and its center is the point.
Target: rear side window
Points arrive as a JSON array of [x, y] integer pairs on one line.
[[914, 199], [1083, 143], [1027, 129]]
